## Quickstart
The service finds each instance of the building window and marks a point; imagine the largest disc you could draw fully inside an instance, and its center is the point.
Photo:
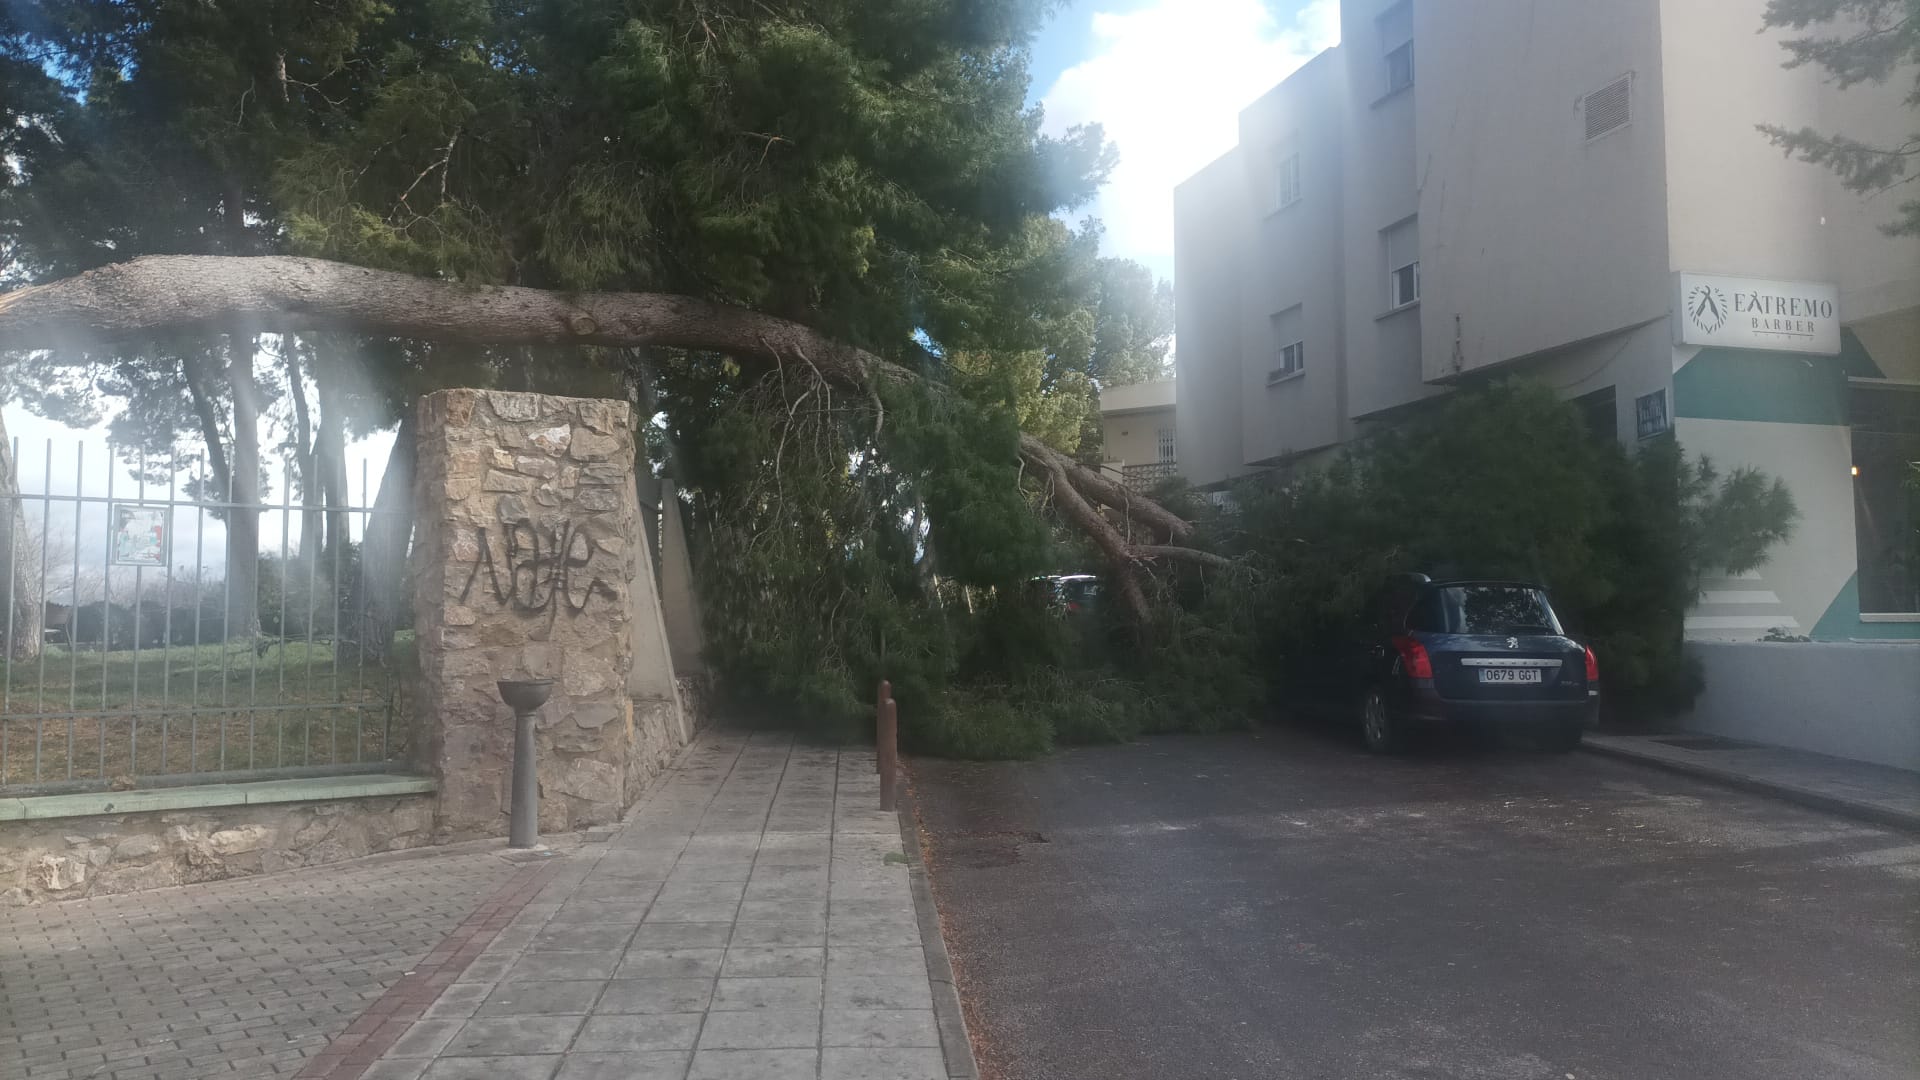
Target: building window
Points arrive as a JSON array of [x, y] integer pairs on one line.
[[1886, 497], [1400, 68], [1402, 246], [1597, 414], [1608, 108], [1169, 449], [1289, 179], [1396, 44], [1289, 345]]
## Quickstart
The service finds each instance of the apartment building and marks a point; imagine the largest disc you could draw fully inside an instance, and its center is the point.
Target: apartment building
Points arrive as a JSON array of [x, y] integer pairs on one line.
[[1575, 193], [1139, 441]]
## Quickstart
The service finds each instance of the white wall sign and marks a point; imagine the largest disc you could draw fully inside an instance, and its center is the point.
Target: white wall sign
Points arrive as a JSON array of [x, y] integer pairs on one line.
[[139, 535], [1755, 313]]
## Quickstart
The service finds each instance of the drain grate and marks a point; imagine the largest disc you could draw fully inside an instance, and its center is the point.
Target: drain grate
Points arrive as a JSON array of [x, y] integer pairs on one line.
[[1704, 742]]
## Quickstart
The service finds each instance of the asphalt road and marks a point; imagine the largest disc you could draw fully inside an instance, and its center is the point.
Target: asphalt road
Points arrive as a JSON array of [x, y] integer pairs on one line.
[[1279, 904]]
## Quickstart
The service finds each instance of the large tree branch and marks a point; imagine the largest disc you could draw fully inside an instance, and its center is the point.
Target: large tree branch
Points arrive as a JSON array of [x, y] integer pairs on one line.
[[1126, 575], [1181, 554], [169, 294], [1100, 489]]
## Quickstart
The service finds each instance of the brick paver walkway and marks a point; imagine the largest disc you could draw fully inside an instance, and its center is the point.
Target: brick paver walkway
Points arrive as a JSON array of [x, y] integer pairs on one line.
[[232, 978], [754, 919]]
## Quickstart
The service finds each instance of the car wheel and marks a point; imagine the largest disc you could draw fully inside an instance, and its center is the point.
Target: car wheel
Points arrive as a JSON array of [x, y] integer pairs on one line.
[[1564, 738], [1376, 723]]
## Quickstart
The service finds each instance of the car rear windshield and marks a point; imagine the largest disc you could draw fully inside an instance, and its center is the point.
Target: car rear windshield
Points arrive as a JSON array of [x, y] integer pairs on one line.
[[1484, 609]]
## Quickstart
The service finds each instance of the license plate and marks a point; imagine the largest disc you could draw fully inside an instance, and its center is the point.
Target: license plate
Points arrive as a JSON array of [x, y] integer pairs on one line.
[[1510, 675]]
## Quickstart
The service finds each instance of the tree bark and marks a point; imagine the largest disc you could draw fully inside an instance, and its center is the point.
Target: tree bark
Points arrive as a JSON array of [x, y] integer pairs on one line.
[[243, 518], [306, 459], [21, 570], [331, 455], [1126, 575], [175, 293]]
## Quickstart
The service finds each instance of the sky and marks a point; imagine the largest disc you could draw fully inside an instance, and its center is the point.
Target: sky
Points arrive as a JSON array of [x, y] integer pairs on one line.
[[1167, 80]]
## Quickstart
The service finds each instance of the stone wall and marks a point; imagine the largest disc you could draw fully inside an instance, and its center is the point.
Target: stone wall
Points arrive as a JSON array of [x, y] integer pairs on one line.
[[525, 509], [70, 858]]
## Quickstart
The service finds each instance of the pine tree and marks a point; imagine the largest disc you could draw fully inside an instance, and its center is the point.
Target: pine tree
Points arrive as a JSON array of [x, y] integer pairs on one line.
[[868, 172], [1857, 41]]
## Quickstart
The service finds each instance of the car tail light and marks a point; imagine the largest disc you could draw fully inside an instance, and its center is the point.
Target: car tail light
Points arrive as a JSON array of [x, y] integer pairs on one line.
[[1413, 657], [1593, 666]]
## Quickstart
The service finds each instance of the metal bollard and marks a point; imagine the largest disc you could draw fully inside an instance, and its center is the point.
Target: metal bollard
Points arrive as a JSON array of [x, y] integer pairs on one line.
[[889, 754], [880, 718], [524, 697]]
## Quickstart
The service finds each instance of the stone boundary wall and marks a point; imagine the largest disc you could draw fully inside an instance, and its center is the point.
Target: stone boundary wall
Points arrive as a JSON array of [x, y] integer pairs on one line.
[[71, 858]]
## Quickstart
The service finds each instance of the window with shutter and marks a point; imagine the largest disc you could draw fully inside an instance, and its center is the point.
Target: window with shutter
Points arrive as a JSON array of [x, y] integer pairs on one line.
[[1608, 108], [1396, 45], [1289, 192], [1401, 243], [1289, 345]]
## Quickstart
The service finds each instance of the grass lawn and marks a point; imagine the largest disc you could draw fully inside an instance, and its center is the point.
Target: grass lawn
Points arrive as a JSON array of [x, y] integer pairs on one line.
[[123, 718]]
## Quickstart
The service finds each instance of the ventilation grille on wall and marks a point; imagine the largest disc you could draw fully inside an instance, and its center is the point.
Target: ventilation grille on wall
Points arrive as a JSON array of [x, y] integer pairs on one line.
[[1609, 107]]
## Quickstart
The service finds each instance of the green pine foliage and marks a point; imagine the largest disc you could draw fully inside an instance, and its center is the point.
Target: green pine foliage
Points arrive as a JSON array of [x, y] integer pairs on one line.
[[1854, 41]]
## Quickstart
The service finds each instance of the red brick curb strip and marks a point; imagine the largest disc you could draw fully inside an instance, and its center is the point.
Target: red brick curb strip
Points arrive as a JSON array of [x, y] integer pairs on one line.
[[373, 1032]]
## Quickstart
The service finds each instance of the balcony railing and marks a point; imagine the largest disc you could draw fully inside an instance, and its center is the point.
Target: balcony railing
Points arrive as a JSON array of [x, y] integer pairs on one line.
[[1145, 477]]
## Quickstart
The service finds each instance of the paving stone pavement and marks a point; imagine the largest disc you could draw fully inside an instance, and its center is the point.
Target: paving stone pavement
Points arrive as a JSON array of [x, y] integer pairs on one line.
[[753, 919], [1857, 789], [230, 978]]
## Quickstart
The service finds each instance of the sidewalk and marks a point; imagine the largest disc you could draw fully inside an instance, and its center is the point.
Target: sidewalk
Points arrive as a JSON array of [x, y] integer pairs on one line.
[[1875, 793], [754, 918]]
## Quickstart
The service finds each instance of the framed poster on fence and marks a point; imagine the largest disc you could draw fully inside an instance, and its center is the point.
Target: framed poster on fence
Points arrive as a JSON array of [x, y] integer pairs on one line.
[[139, 535]]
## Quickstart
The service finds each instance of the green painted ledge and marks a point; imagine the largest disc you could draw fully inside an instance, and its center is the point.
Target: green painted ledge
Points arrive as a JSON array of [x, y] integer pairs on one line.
[[307, 789]]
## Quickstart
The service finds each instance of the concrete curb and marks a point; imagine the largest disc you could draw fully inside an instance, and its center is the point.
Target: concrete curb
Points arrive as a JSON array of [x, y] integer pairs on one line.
[[1857, 809], [956, 1046]]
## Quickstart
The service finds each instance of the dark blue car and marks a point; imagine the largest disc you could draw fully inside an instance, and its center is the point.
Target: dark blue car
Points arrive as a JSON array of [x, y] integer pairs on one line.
[[1436, 653]]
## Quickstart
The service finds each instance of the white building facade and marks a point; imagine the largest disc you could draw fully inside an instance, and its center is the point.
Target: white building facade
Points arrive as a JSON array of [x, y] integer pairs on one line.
[[1575, 193]]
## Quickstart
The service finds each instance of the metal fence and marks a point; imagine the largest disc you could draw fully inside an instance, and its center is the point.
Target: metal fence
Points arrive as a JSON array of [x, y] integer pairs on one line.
[[128, 665]]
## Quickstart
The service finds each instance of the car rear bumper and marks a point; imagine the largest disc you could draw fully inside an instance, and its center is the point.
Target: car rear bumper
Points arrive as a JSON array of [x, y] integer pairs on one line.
[[1424, 705]]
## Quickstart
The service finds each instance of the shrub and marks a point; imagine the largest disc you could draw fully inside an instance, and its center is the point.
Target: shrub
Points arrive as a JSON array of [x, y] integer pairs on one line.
[[1504, 482], [977, 724]]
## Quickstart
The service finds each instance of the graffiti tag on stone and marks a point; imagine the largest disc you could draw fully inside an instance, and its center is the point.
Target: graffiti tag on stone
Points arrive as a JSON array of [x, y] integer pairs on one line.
[[539, 569]]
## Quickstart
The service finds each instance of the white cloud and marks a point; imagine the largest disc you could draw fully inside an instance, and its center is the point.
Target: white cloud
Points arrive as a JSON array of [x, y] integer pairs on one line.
[[1168, 81]]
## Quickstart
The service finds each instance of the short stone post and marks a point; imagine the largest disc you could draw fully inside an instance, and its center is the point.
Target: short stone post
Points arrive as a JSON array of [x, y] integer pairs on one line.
[[525, 505]]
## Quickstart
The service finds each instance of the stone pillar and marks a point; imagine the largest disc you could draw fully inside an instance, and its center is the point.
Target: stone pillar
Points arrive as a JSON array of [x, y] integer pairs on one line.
[[679, 603], [524, 562]]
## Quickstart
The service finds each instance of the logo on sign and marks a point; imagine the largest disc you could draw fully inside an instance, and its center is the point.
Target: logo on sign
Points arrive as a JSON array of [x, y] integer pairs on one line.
[[1707, 307]]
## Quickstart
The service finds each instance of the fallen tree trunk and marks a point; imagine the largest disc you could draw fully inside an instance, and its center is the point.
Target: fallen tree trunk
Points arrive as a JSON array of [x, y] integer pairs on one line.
[[170, 294]]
